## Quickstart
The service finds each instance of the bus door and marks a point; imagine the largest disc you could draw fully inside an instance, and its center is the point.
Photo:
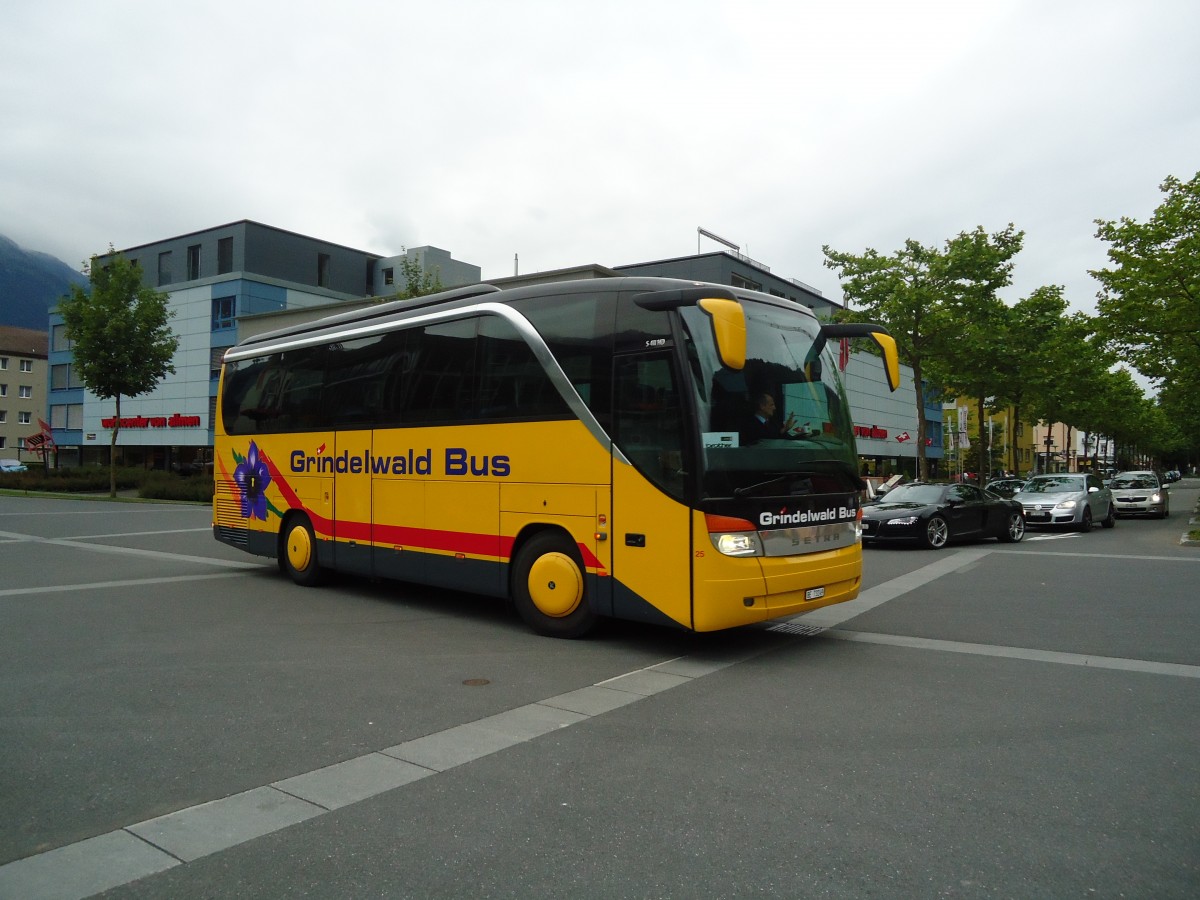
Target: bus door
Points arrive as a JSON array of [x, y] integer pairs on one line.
[[649, 531], [352, 452]]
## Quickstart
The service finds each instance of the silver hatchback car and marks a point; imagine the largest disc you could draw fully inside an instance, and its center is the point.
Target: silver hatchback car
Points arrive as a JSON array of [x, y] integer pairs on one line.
[[1073, 499], [1140, 494]]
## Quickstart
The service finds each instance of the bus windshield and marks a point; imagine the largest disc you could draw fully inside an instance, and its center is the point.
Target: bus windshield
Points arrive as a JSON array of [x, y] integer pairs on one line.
[[780, 426]]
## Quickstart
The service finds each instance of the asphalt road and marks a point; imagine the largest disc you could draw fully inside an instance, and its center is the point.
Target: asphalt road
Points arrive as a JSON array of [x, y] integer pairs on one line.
[[178, 720]]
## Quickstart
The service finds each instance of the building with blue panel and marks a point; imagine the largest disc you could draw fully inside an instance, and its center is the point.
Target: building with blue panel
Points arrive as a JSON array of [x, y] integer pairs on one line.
[[214, 278]]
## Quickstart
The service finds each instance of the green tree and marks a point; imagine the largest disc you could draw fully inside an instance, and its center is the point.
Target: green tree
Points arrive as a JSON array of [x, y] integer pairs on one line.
[[417, 281], [122, 344], [921, 293], [1150, 300]]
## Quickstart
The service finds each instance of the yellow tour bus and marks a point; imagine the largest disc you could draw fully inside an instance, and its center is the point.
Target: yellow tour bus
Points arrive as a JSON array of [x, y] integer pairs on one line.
[[649, 449]]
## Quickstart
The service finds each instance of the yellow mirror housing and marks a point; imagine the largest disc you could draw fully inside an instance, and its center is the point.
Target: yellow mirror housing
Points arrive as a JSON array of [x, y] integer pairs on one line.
[[891, 359], [729, 329]]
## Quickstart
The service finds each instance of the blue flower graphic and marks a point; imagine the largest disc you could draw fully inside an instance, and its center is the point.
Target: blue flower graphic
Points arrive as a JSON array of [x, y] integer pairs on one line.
[[252, 479]]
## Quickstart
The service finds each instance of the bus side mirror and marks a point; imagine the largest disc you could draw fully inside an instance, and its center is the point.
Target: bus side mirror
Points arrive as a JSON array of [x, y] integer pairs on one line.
[[891, 358], [887, 343], [729, 330]]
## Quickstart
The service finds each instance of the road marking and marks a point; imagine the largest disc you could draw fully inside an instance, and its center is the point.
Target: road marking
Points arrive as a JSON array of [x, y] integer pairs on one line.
[[129, 551], [90, 537], [118, 857], [103, 585], [1051, 656]]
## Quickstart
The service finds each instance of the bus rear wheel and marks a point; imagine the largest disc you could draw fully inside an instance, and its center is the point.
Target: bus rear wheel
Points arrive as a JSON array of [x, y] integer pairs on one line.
[[549, 587], [298, 551]]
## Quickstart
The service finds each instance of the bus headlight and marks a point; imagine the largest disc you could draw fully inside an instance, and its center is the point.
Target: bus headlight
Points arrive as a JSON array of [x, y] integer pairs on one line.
[[739, 544], [733, 536]]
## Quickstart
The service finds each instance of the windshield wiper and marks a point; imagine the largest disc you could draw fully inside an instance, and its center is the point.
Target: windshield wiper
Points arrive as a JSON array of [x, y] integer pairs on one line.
[[778, 479]]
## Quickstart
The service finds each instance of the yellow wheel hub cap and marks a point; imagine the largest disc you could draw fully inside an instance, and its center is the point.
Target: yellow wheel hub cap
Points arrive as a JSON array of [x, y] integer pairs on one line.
[[299, 549], [555, 585]]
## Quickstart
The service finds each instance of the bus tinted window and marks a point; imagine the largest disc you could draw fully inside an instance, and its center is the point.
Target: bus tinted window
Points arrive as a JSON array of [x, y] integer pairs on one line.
[[442, 386], [512, 383], [578, 329], [277, 393]]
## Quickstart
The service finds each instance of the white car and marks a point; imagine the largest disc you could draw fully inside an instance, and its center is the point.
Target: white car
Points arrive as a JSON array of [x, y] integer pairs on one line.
[[1073, 499], [1141, 494], [12, 465]]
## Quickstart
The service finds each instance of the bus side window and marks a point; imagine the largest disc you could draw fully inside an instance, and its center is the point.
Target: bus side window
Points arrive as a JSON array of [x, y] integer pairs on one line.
[[649, 419], [443, 388], [513, 383]]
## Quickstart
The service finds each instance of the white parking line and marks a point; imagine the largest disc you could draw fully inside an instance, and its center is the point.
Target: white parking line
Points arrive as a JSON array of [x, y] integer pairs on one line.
[[130, 551]]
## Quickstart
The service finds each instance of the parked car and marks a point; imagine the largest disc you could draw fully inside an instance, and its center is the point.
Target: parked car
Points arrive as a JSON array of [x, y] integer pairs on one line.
[[1141, 494], [1005, 487], [1073, 499], [12, 465], [935, 514]]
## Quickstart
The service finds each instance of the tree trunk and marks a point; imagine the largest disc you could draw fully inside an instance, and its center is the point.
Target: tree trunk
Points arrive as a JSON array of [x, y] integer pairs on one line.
[[922, 462], [985, 448], [112, 452]]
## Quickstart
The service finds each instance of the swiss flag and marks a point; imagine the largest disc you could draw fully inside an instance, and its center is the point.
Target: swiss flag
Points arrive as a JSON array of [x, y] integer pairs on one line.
[[902, 437]]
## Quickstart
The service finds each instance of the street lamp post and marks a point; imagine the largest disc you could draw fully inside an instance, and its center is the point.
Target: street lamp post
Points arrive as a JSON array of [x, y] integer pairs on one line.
[[1049, 447]]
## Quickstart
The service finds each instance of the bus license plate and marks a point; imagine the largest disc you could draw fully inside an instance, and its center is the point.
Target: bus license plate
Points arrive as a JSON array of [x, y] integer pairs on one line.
[[814, 593]]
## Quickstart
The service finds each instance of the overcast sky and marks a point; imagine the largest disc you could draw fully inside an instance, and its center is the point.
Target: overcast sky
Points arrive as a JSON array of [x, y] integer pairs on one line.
[[602, 132]]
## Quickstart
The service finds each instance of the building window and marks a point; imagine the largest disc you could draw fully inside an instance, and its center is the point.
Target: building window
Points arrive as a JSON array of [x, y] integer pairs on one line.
[[3, 363], [60, 341], [322, 270], [193, 262], [389, 276], [62, 377], [66, 416], [27, 365], [24, 418], [2, 440], [224, 311], [3, 390], [224, 255], [26, 392], [742, 282], [164, 268], [3, 416]]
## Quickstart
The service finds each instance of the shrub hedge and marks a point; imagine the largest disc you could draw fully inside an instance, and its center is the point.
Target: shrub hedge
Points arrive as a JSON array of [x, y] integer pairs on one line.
[[150, 485]]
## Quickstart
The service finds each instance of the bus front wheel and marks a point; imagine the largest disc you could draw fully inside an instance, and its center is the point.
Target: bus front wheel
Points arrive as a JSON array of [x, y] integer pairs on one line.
[[549, 588], [298, 552]]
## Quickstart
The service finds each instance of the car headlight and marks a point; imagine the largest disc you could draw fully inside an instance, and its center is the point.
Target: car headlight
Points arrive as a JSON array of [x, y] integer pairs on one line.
[[1156, 498], [903, 520], [1066, 504]]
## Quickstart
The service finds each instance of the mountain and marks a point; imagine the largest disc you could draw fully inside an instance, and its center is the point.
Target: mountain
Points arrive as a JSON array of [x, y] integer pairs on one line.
[[31, 284]]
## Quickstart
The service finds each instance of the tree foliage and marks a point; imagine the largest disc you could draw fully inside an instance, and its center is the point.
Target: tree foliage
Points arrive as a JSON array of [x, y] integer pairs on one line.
[[417, 281], [1150, 299], [122, 342], [938, 303]]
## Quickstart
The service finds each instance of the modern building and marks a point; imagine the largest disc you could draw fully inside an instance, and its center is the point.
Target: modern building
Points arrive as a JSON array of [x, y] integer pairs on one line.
[[214, 278], [23, 354]]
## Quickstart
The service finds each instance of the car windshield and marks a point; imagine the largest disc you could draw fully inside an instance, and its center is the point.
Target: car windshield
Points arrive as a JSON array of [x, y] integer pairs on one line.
[[1054, 484], [1135, 481], [914, 493]]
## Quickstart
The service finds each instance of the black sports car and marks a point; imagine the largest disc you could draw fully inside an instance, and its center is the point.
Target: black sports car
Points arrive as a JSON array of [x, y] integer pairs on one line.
[[935, 514]]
